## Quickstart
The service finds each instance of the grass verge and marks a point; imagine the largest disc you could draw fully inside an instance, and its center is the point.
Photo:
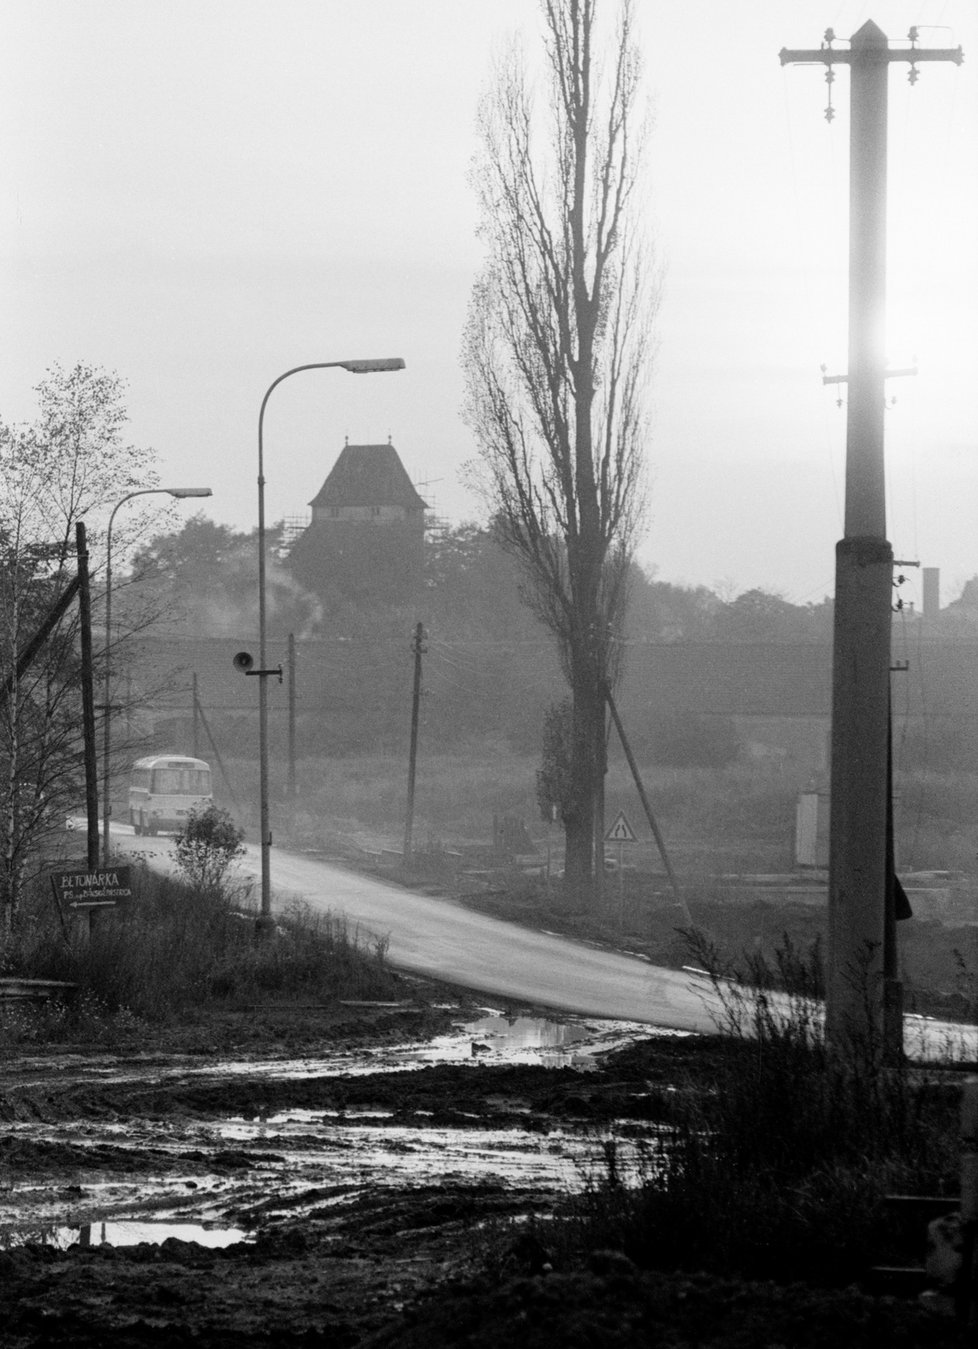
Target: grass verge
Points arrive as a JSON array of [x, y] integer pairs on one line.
[[174, 951]]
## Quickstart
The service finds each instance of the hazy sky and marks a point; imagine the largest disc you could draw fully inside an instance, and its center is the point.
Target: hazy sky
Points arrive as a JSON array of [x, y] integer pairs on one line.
[[200, 194]]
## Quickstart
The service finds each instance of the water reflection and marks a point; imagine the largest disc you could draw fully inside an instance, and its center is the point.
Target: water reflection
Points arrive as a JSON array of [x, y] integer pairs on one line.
[[573, 1041], [122, 1234], [525, 1039]]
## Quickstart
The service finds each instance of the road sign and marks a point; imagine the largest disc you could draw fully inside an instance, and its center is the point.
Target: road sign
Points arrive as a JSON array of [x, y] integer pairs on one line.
[[621, 831], [80, 888]]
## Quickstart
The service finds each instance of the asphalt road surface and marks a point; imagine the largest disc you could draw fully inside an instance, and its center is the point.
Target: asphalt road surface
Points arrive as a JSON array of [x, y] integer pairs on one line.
[[441, 938]]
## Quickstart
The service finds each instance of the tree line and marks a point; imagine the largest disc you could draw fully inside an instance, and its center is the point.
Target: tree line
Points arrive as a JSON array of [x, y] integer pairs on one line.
[[203, 577]]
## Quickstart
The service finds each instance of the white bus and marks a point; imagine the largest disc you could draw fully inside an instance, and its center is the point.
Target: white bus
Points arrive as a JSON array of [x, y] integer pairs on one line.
[[164, 789]]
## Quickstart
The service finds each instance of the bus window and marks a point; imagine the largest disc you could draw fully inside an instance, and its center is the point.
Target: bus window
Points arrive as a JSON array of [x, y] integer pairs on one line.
[[181, 782]]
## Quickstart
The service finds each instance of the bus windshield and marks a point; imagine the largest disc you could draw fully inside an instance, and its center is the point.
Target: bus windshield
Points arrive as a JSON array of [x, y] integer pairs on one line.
[[181, 782]]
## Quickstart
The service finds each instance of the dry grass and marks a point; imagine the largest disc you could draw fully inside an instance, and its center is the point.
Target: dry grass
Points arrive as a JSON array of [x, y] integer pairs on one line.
[[174, 949], [777, 1160], [735, 819], [716, 819]]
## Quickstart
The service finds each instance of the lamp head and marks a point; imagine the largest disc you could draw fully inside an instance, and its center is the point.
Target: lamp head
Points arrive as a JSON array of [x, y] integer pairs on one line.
[[372, 367], [189, 491]]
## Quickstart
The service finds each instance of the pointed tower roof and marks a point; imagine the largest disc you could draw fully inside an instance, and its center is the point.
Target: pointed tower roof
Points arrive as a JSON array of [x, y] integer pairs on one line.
[[368, 475]]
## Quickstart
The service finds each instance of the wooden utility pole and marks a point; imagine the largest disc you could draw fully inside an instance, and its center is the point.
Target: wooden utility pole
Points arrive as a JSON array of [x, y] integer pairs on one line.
[[418, 647], [863, 994], [88, 697], [290, 790], [200, 719], [196, 714]]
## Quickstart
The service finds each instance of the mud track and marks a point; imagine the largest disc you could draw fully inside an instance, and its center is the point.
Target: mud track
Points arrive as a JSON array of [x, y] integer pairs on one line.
[[327, 1192], [381, 1181]]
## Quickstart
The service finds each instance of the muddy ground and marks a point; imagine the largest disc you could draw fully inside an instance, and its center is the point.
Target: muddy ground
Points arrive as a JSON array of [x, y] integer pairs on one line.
[[381, 1176]]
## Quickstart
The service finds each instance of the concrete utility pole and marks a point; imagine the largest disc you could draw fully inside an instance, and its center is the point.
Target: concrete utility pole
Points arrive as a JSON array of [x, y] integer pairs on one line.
[[863, 993]]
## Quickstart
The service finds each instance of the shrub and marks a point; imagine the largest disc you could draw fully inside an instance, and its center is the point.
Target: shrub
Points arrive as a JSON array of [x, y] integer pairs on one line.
[[206, 847]]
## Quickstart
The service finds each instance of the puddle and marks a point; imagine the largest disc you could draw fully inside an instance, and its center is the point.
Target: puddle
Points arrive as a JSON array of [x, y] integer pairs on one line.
[[524, 1039], [254, 1170], [300, 1163], [409, 1155], [337, 1167], [493, 1037], [123, 1234], [489, 1037]]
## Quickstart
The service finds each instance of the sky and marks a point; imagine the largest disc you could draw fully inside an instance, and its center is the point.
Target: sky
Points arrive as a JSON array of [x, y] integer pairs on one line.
[[202, 194]]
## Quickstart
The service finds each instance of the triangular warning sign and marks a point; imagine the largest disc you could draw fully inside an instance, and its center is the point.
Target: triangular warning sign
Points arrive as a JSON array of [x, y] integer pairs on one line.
[[621, 831]]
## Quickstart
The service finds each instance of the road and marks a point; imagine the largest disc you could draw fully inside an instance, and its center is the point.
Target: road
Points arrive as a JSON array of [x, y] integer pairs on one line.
[[441, 938]]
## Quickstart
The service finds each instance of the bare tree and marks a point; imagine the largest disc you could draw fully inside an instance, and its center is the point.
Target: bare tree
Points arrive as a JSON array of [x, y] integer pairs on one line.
[[71, 462], [556, 352], [80, 433]]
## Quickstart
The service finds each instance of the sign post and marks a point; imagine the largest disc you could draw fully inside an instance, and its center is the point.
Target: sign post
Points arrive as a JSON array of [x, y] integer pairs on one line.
[[82, 890], [621, 832]]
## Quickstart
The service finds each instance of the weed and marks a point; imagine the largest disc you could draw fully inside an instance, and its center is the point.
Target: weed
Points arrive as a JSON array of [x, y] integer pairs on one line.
[[966, 985], [777, 1164]]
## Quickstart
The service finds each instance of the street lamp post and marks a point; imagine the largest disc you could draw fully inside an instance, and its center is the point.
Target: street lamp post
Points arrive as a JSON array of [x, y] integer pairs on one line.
[[265, 924], [179, 492]]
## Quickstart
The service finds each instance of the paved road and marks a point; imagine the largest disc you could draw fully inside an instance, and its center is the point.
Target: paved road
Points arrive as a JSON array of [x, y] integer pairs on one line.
[[441, 938]]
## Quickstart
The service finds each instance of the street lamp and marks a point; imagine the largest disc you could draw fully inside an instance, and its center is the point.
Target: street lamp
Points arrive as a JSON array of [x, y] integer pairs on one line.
[[265, 924], [180, 493]]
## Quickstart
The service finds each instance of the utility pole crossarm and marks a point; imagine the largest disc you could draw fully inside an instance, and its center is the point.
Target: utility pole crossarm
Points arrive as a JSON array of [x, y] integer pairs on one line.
[[888, 373], [839, 56]]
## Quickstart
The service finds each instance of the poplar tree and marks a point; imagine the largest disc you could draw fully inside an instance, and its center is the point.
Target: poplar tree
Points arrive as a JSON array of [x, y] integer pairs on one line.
[[556, 353]]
